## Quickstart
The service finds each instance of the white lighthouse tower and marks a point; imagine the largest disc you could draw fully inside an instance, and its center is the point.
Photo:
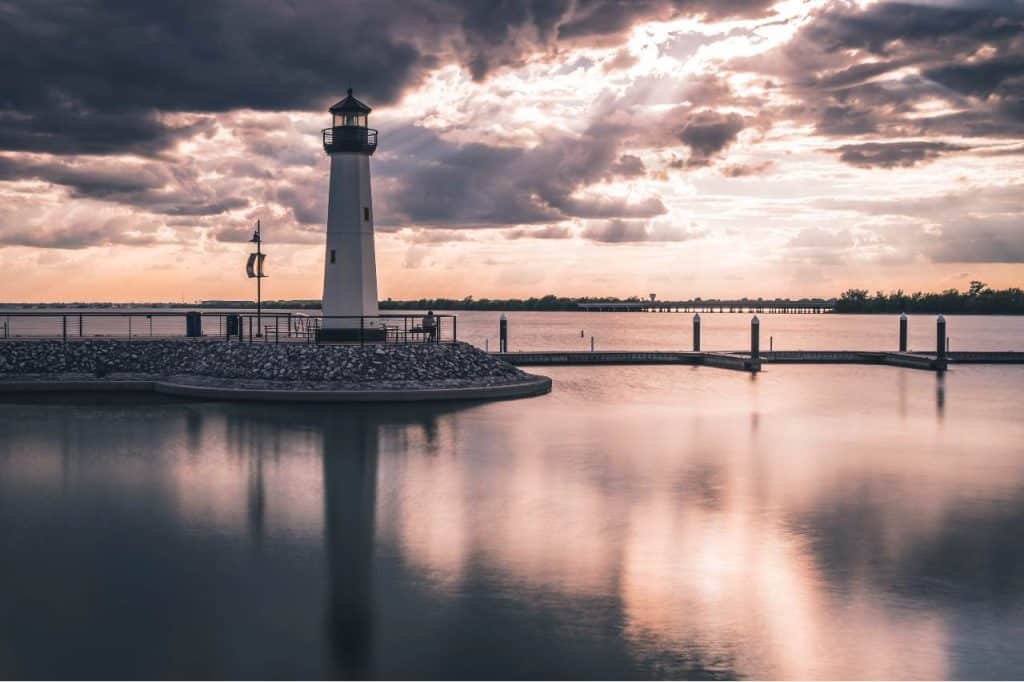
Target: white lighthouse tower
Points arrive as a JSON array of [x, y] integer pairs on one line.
[[350, 270]]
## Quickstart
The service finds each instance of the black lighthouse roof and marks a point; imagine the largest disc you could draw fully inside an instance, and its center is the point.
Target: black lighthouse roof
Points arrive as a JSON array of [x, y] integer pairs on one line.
[[350, 105]]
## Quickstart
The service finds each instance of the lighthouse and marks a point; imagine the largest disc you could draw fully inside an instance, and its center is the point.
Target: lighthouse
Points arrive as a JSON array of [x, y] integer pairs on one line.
[[350, 270]]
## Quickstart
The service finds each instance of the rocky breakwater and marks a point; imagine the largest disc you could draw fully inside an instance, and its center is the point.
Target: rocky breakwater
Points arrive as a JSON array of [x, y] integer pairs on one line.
[[290, 366]]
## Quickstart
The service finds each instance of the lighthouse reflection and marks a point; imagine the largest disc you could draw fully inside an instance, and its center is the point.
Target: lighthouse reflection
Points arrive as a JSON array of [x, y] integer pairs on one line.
[[350, 451], [352, 440]]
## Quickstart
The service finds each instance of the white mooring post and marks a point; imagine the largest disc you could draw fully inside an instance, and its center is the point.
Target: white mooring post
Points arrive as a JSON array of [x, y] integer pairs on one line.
[[350, 269]]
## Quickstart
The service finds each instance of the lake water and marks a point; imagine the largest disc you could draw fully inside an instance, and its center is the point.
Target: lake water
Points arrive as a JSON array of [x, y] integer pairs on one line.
[[638, 522], [641, 331]]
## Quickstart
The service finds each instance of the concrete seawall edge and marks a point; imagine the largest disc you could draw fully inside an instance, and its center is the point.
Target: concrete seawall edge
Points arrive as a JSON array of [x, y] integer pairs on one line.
[[535, 385]]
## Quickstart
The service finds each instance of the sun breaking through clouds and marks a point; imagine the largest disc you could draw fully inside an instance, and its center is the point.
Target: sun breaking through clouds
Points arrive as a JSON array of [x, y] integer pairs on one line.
[[694, 148]]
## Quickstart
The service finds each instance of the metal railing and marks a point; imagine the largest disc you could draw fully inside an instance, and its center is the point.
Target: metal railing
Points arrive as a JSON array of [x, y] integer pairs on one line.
[[245, 326], [350, 139]]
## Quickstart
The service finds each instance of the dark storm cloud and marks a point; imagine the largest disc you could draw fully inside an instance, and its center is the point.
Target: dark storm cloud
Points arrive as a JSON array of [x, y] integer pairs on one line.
[[604, 17], [870, 108], [708, 132], [96, 182], [893, 154], [77, 75], [628, 166], [58, 127], [844, 68], [157, 188], [95, 76], [430, 180], [75, 235], [853, 75], [891, 27], [982, 79]]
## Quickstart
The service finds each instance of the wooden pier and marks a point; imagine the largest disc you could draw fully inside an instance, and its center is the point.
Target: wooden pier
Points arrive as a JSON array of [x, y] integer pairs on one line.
[[780, 306], [745, 362]]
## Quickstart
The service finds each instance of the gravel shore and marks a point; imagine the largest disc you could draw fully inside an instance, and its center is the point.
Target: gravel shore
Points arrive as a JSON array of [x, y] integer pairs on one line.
[[260, 365]]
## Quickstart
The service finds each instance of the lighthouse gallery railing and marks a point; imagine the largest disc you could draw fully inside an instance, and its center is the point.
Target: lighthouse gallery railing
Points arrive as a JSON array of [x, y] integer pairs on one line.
[[350, 138]]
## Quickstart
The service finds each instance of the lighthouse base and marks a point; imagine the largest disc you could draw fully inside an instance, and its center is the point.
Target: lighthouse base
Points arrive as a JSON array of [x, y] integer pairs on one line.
[[350, 335]]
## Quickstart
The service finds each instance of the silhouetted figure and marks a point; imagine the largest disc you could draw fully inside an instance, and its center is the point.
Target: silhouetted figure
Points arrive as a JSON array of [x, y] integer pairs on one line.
[[430, 325]]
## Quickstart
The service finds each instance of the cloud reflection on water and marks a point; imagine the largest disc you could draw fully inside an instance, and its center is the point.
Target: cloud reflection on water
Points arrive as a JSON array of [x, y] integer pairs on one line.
[[687, 524]]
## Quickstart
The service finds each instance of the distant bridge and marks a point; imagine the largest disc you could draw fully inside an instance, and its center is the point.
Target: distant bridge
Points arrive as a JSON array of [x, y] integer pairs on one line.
[[802, 306]]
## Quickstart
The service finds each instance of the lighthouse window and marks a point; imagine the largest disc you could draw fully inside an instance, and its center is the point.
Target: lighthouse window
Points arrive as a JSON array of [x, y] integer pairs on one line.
[[366, 212], [350, 119], [332, 255]]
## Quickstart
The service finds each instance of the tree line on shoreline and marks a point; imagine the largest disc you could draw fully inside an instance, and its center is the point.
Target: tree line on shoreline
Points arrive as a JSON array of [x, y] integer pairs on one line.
[[978, 299]]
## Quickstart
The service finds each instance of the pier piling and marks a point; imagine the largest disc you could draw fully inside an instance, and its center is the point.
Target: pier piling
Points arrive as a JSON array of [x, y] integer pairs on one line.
[[755, 338], [696, 332], [503, 334], [903, 332], [940, 337]]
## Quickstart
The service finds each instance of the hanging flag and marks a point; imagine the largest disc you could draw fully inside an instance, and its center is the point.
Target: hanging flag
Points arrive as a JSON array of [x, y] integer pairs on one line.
[[254, 267]]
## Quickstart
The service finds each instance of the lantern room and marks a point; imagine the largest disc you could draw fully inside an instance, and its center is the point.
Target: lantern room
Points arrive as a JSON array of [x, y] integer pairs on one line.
[[349, 131], [349, 112]]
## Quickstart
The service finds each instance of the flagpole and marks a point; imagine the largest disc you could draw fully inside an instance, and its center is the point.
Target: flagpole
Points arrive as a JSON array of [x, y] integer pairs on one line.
[[259, 281]]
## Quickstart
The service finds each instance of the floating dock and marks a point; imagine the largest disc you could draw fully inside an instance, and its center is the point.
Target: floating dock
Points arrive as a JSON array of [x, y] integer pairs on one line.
[[745, 362]]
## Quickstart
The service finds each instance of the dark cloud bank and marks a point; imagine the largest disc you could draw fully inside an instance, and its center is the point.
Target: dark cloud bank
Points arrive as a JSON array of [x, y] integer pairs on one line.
[[480, 185], [97, 76], [114, 77], [848, 67]]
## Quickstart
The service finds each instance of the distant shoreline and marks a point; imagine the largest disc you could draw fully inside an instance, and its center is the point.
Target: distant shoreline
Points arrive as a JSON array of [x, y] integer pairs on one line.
[[978, 299], [437, 309], [126, 307]]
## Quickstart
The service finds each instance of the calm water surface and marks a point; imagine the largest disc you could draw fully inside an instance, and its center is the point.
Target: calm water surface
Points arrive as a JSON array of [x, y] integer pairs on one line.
[[812, 522], [637, 331]]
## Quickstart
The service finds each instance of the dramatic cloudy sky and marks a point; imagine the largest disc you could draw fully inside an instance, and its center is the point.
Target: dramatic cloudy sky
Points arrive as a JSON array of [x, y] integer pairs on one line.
[[687, 147]]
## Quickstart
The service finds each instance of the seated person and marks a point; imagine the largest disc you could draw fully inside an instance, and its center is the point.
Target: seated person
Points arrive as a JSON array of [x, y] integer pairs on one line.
[[430, 325]]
